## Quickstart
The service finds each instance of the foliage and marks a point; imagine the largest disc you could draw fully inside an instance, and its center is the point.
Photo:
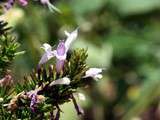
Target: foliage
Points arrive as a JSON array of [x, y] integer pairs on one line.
[[8, 47], [124, 36], [55, 95]]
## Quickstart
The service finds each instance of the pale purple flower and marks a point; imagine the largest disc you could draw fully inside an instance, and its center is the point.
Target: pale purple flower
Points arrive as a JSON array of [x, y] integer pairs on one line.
[[23, 2], [60, 52], [33, 101], [59, 65], [47, 55], [50, 6], [63, 48], [9, 4], [61, 81], [33, 96], [6, 81], [61, 56], [94, 73]]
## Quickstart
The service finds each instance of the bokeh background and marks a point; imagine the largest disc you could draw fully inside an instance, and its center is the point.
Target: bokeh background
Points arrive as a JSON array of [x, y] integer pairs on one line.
[[122, 36]]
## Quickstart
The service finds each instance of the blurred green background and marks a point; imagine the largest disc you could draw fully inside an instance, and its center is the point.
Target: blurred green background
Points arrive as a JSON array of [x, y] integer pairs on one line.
[[122, 36]]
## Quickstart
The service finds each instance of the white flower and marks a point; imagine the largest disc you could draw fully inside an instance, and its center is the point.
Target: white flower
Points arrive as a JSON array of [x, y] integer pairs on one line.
[[94, 73], [62, 81]]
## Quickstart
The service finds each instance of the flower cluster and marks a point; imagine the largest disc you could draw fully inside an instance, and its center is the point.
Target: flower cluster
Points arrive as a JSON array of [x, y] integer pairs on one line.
[[10, 3], [41, 95], [46, 88], [61, 53]]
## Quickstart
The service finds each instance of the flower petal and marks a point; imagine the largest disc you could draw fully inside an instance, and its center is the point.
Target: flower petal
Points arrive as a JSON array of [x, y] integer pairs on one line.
[[99, 76], [62, 81], [94, 72], [46, 56], [9, 4], [70, 38], [50, 6], [59, 65], [46, 47], [63, 57], [61, 50], [48, 53], [23, 2]]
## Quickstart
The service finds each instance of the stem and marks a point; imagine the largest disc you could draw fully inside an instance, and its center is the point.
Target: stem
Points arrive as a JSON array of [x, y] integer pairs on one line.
[[77, 107]]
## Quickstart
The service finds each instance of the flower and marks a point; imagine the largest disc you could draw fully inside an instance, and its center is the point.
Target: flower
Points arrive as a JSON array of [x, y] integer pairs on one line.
[[50, 6], [94, 73], [35, 98], [23, 2], [61, 56], [9, 4], [70, 38], [62, 81], [33, 101], [6, 81], [61, 52], [63, 48]]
